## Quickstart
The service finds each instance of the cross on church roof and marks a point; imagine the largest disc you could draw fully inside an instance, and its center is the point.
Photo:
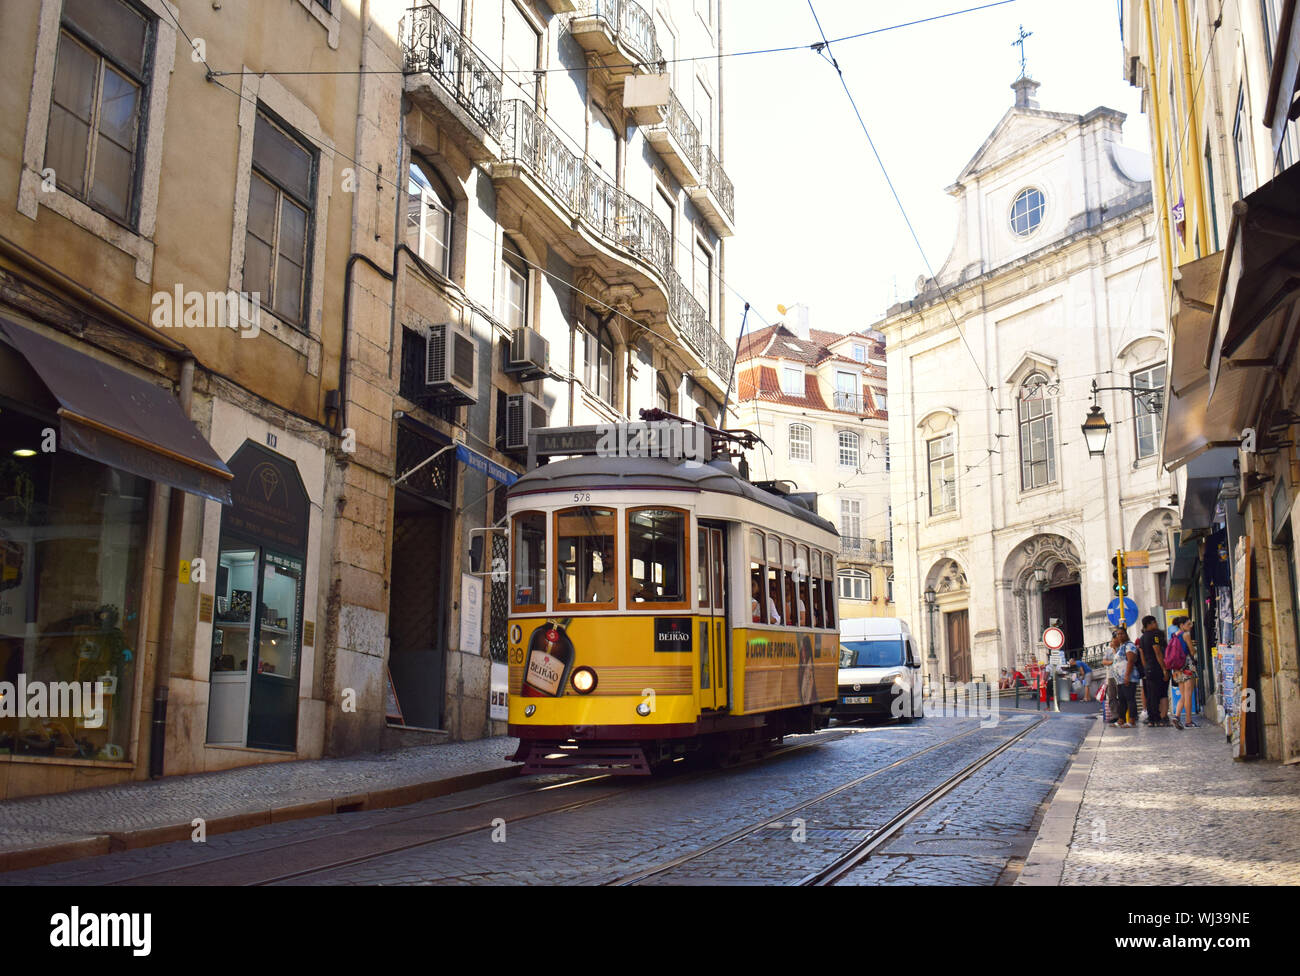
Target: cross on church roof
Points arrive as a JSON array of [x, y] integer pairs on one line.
[[1020, 42]]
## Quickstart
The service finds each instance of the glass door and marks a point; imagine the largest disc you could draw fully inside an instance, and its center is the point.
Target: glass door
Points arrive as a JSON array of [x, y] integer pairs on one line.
[[232, 635], [273, 698]]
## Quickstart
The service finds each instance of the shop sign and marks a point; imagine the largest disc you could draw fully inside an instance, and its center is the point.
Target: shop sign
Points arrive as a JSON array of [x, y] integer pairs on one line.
[[270, 502], [471, 614], [498, 709]]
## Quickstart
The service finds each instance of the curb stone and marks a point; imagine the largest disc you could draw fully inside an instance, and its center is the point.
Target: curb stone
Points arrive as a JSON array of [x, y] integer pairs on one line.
[[1045, 863]]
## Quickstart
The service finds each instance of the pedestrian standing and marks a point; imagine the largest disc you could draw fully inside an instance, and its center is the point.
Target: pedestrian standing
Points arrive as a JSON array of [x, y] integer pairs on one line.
[[1125, 672], [1155, 686], [1181, 661]]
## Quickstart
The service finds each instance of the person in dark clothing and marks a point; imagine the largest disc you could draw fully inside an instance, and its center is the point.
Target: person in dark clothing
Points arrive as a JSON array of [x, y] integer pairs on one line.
[[1155, 685]]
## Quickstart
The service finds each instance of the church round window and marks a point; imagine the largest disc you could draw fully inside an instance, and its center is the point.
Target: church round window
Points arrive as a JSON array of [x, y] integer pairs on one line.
[[1027, 212]]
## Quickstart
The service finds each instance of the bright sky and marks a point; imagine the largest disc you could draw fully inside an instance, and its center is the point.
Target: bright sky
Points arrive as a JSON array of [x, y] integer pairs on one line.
[[815, 222]]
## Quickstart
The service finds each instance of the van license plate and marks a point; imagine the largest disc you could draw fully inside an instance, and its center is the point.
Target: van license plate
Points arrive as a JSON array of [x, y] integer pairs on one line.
[[859, 700]]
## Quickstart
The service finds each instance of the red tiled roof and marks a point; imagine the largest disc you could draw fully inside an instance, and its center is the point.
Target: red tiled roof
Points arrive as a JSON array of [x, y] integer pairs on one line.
[[769, 389]]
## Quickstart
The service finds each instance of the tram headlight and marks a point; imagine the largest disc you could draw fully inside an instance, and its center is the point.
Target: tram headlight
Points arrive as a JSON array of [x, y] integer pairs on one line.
[[530, 711], [583, 681], [643, 709]]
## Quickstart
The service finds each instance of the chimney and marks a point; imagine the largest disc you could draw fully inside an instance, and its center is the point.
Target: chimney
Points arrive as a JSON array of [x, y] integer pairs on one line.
[[1025, 88], [796, 320]]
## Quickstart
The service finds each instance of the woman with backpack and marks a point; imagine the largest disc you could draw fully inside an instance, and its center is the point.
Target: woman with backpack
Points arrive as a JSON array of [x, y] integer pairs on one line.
[[1182, 666]]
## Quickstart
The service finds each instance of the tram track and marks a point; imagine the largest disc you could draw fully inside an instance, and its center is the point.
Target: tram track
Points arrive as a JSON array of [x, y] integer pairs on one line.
[[227, 868], [860, 852]]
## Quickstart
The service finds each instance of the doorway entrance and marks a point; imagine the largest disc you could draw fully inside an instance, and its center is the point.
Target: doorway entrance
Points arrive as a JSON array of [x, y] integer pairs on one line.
[[957, 624], [1065, 605]]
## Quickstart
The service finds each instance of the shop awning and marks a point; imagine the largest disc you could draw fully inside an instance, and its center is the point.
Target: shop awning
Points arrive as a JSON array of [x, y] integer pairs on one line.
[[1258, 288], [1182, 566], [120, 420], [1205, 476], [1190, 427]]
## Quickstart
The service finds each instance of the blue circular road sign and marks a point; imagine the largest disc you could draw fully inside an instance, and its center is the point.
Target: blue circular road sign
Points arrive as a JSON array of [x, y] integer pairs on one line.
[[1130, 612]]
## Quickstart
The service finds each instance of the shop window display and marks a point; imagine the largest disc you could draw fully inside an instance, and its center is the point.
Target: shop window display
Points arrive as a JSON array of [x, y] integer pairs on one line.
[[72, 536]]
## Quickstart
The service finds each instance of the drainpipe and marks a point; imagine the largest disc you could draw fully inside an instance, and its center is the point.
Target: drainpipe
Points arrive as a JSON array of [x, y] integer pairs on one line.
[[171, 575]]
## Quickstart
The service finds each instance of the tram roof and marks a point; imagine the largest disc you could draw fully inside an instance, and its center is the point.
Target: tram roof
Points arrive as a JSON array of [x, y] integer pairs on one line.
[[587, 473]]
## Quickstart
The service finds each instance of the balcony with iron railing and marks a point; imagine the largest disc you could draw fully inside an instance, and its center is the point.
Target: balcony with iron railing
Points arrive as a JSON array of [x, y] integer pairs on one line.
[[677, 140], [620, 32], [856, 548], [852, 403], [448, 78], [714, 194], [536, 162]]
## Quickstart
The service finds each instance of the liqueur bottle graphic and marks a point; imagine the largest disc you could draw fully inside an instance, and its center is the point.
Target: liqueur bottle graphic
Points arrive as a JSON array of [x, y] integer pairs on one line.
[[549, 659]]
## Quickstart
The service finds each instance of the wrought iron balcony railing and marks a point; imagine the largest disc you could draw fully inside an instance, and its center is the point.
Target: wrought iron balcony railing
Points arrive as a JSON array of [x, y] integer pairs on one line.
[[431, 43], [717, 181], [887, 552], [614, 215], [683, 129], [859, 548], [628, 22]]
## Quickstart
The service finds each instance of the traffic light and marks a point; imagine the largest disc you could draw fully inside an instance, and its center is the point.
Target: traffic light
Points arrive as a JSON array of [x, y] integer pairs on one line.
[[1117, 574]]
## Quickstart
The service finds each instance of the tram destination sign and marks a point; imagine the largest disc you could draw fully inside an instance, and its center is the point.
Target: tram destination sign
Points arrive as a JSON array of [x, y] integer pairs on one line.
[[645, 439]]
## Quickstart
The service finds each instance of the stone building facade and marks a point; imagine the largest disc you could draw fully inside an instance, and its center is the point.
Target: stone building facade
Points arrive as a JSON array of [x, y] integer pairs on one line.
[[1002, 521]]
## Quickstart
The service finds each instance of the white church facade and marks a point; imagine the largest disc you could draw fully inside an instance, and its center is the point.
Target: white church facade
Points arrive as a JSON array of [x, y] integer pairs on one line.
[[1003, 523]]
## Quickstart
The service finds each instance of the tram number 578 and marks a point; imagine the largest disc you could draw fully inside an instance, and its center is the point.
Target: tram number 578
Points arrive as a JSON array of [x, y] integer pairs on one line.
[[582, 496]]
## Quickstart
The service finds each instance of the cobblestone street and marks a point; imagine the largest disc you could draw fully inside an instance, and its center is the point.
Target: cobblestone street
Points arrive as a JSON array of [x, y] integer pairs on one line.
[[1163, 807], [601, 831]]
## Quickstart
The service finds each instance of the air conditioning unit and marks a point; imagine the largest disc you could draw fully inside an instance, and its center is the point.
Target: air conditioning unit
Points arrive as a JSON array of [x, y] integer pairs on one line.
[[451, 364], [524, 413], [530, 354]]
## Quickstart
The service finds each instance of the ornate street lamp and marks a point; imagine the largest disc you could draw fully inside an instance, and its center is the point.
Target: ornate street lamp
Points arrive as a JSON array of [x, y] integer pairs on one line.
[[1096, 429], [929, 605], [1040, 576]]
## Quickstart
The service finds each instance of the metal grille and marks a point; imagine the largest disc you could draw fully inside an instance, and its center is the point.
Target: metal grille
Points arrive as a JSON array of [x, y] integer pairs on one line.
[[411, 383], [499, 599], [435, 481]]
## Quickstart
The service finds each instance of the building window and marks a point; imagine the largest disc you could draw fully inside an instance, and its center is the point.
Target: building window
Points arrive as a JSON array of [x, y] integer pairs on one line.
[[800, 442], [855, 585], [428, 219], [851, 523], [703, 285], [881, 403], [889, 588], [792, 381], [1241, 147], [1037, 434], [596, 347], [885, 441], [663, 396], [943, 474], [281, 199], [667, 212], [1146, 425], [94, 134], [522, 43], [1027, 211], [849, 452], [860, 353], [1211, 196], [846, 391], [514, 286], [603, 148]]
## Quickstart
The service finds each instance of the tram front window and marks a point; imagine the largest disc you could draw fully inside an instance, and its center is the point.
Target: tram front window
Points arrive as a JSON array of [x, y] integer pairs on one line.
[[656, 552], [529, 586], [585, 557], [872, 654]]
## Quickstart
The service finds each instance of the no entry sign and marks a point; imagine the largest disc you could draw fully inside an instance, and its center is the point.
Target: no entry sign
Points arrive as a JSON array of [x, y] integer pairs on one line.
[[1054, 638]]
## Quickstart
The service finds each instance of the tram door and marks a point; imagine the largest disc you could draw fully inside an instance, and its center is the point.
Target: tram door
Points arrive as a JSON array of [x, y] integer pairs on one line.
[[713, 619]]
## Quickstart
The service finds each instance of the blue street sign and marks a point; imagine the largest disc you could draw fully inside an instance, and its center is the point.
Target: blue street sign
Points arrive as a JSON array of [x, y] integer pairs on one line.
[[1130, 612], [478, 462]]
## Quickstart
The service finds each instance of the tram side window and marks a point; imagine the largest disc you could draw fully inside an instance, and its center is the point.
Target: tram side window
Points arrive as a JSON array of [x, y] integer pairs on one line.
[[793, 609], [656, 549], [828, 574], [805, 589], [529, 584], [701, 568], [815, 578], [585, 557], [775, 582], [757, 578]]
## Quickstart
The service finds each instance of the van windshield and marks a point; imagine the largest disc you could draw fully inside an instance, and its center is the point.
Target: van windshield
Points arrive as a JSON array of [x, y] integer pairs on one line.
[[887, 653]]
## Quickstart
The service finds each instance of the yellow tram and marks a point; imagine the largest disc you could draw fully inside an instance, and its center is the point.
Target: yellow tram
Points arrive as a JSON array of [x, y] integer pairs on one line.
[[660, 606]]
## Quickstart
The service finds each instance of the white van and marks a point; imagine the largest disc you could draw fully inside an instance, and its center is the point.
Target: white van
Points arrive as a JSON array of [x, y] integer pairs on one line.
[[879, 665]]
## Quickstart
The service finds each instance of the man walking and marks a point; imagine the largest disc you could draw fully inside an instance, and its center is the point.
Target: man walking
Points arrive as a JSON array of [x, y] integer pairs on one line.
[[1155, 686]]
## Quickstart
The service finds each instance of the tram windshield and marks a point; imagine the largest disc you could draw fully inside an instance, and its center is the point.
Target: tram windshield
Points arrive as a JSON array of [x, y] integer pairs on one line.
[[871, 654], [585, 556]]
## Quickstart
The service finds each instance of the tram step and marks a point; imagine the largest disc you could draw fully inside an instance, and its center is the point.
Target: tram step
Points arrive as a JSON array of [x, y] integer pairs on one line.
[[615, 760]]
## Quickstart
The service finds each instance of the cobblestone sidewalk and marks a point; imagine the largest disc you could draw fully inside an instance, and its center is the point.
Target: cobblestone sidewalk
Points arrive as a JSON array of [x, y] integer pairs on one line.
[[46, 829], [1160, 806]]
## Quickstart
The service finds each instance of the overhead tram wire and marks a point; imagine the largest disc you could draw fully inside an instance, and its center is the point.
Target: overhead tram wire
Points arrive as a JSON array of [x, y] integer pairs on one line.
[[666, 61]]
